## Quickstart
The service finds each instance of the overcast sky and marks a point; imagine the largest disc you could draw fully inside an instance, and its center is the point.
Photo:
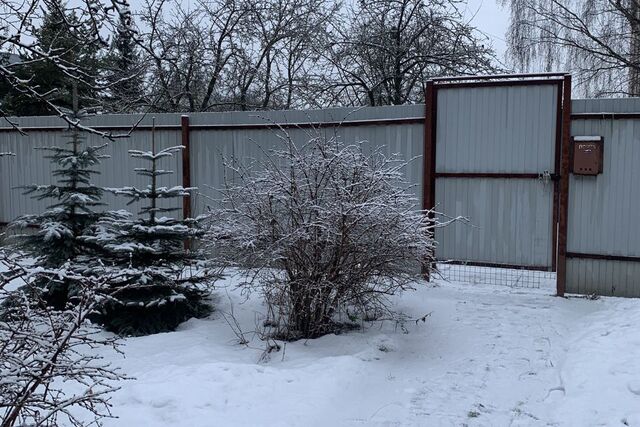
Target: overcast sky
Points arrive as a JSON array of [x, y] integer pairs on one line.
[[492, 20]]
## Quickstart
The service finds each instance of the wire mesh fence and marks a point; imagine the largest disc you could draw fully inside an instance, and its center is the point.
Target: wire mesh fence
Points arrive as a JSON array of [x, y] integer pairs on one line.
[[461, 272]]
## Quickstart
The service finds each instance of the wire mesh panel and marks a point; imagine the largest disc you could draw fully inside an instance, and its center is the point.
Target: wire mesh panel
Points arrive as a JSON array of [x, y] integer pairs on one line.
[[513, 277]]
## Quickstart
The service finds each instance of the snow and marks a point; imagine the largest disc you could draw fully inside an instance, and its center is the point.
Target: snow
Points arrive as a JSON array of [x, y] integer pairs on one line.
[[586, 138], [486, 355]]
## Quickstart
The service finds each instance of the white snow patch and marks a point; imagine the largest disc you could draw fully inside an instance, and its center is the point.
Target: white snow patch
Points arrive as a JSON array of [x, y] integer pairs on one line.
[[486, 356]]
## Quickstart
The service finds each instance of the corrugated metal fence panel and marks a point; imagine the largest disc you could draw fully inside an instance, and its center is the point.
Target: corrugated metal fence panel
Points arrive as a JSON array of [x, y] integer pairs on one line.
[[603, 210], [504, 129], [31, 167], [606, 105], [307, 116], [603, 277], [210, 147], [406, 141], [509, 221], [496, 129], [28, 167]]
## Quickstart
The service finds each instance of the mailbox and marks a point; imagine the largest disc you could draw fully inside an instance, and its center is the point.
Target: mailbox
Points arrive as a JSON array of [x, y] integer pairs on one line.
[[587, 156]]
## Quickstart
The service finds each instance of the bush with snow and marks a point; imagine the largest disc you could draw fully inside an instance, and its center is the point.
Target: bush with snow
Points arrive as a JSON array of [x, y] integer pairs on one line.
[[324, 230]]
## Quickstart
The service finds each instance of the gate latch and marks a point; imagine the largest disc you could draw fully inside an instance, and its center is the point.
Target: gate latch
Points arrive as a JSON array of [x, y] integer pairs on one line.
[[545, 177]]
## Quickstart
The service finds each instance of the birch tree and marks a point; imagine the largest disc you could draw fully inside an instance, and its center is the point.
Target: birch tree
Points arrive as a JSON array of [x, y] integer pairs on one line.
[[597, 40]]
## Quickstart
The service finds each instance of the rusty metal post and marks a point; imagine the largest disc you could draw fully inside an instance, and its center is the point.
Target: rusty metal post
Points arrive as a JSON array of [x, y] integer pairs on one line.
[[429, 154], [186, 165], [561, 283], [556, 181]]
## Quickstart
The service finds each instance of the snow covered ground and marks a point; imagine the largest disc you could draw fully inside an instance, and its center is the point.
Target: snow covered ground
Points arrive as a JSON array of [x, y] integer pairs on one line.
[[486, 356]]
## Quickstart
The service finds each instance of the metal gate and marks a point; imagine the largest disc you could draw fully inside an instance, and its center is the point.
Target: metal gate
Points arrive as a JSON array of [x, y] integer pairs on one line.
[[492, 155]]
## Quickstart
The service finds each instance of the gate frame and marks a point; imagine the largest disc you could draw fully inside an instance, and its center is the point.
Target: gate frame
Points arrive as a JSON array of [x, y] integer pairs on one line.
[[563, 222], [559, 176]]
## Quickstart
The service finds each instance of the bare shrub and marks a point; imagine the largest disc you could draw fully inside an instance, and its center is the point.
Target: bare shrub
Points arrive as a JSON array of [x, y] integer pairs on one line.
[[50, 374], [323, 229]]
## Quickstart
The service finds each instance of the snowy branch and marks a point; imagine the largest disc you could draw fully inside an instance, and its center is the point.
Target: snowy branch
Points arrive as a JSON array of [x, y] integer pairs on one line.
[[42, 349]]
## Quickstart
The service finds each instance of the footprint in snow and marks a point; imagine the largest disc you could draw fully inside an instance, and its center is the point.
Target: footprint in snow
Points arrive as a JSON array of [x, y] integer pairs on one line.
[[634, 387]]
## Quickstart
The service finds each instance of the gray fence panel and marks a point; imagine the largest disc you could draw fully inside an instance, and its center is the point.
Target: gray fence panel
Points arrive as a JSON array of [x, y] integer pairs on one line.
[[603, 210], [496, 129], [509, 221], [603, 277], [307, 116], [605, 105], [209, 146], [31, 167]]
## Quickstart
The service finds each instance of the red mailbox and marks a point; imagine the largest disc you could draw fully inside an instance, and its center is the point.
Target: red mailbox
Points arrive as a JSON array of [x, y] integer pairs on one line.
[[587, 156]]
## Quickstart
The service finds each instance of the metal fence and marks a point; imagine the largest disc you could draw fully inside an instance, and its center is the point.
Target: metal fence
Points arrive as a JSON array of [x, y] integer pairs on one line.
[[603, 234], [493, 143], [208, 138], [496, 151], [499, 275]]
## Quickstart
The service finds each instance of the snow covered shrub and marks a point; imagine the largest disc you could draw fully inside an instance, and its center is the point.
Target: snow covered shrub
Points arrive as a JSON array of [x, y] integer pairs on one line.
[[49, 372], [326, 230], [61, 230], [157, 289]]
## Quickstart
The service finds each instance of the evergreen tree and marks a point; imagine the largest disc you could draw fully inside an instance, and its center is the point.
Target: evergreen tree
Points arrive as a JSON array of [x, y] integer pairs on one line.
[[124, 72], [61, 34], [63, 228], [154, 293]]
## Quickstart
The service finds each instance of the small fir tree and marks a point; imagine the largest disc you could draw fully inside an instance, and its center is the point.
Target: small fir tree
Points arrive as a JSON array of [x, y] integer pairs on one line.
[[156, 290], [64, 227]]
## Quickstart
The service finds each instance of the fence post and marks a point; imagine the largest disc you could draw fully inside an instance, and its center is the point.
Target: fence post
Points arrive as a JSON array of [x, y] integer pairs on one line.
[[556, 182], [561, 278], [429, 155], [186, 165]]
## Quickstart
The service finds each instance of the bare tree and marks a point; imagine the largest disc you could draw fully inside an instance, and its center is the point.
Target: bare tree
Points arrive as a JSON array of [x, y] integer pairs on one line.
[[598, 40], [93, 21], [232, 54], [189, 52], [277, 51], [51, 373], [326, 229], [384, 51], [274, 54]]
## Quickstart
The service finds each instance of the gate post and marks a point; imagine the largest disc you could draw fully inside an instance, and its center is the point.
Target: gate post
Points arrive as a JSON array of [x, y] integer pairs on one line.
[[186, 165], [561, 278], [429, 155]]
